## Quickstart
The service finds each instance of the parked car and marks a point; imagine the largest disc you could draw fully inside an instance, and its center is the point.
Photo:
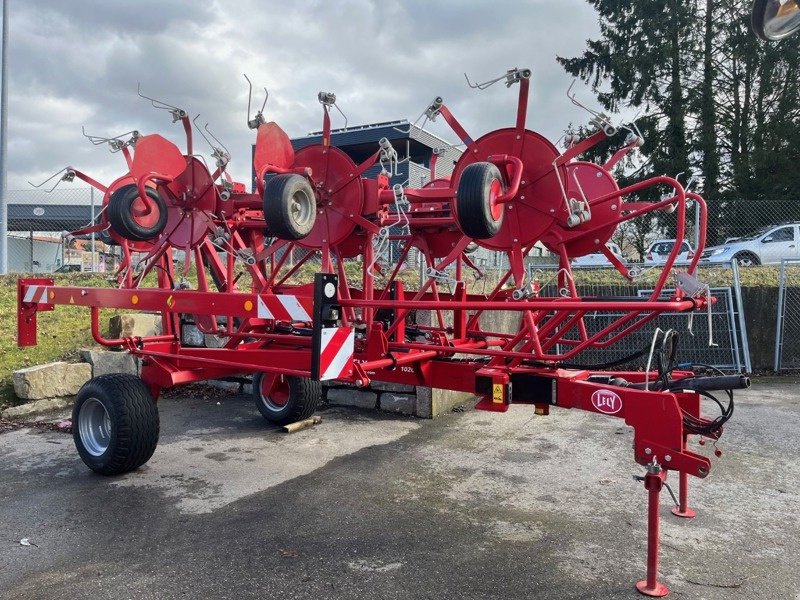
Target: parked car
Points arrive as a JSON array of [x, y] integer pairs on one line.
[[766, 247], [598, 259], [659, 250]]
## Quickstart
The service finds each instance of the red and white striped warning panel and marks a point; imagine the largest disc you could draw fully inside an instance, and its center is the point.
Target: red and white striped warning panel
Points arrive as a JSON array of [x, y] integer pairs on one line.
[[284, 307], [336, 353], [35, 294]]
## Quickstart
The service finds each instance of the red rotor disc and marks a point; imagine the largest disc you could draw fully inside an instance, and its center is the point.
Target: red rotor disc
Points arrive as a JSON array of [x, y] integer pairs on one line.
[[587, 237], [329, 167], [535, 207]]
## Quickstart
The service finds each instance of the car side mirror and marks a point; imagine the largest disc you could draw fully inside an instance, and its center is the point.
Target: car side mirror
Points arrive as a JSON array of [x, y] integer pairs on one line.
[[767, 240], [775, 19]]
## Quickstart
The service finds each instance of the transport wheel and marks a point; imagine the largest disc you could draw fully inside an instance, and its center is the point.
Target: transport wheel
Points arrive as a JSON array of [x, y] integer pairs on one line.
[[283, 399], [115, 423], [133, 218], [290, 208], [747, 259], [480, 184]]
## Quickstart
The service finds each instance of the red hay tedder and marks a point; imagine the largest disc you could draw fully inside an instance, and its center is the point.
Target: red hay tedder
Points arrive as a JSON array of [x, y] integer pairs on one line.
[[510, 189]]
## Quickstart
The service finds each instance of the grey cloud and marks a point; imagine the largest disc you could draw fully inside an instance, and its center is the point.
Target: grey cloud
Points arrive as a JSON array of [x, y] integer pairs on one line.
[[384, 59]]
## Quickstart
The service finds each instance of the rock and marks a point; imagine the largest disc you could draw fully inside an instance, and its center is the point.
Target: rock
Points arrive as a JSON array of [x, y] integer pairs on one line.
[[134, 325], [399, 403], [384, 386], [104, 362], [352, 397], [53, 380], [432, 402], [37, 407], [214, 341]]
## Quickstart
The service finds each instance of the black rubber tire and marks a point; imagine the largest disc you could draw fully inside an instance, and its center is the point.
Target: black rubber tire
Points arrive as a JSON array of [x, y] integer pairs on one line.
[[121, 219], [133, 423], [473, 201], [290, 207], [747, 256], [304, 397]]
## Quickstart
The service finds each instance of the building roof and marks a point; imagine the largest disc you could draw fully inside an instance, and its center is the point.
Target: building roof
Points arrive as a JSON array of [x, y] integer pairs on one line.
[[48, 217]]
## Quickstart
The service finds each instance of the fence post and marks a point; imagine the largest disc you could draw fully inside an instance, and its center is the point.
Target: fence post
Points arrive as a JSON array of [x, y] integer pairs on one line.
[[779, 327]]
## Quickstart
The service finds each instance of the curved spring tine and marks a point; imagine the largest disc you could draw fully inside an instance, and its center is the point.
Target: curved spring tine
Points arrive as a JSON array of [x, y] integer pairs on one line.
[[259, 117], [511, 76], [68, 175], [177, 113], [220, 153], [115, 143]]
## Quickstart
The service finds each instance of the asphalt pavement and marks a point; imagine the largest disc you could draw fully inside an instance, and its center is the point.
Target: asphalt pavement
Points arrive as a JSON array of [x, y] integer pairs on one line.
[[371, 505]]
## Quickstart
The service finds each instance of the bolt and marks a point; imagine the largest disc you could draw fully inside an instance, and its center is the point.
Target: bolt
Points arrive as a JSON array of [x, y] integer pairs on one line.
[[359, 383], [516, 240], [613, 207], [668, 457], [523, 182], [552, 210], [648, 451], [518, 137], [522, 197], [596, 241]]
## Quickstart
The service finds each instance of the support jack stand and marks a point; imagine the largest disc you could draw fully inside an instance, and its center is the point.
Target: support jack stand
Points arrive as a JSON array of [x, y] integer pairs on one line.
[[653, 482]]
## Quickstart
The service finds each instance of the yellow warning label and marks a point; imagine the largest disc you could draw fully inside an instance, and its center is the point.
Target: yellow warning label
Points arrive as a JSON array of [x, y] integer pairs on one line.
[[72, 299], [52, 295], [497, 393], [170, 301], [134, 299], [248, 305]]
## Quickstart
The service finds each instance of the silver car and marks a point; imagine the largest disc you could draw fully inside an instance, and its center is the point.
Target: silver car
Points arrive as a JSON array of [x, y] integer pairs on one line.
[[767, 247]]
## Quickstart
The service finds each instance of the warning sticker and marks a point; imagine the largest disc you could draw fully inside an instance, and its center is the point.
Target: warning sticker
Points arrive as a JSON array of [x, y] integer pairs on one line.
[[497, 393]]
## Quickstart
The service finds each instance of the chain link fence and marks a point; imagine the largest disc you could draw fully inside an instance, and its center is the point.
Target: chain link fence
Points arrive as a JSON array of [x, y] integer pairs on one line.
[[38, 224], [717, 337], [787, 339]]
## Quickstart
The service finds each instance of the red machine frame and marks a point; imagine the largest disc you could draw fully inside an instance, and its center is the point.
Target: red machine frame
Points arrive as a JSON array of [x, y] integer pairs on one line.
[[333, 329]]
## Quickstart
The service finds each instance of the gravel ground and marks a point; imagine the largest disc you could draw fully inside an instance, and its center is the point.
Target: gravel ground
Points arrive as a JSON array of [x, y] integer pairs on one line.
[[367, 505]]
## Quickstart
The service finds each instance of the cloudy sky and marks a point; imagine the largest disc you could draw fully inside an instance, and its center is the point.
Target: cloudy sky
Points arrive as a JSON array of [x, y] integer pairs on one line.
[[78, 63]]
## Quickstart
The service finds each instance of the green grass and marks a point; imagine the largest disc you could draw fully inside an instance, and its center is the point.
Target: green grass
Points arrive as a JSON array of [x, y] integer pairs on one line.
[[61, 333]]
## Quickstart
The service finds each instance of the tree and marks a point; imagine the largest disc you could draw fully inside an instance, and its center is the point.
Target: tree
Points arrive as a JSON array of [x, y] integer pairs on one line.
[[716, 99]]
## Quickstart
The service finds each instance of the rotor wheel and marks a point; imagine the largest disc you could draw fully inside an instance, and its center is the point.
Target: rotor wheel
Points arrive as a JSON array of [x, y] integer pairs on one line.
[[477, 211], [283, 399], [136, 218], [290, 208], [115, 424]]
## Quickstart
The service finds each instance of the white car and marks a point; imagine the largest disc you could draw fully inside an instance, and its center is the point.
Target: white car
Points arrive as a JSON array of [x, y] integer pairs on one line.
[[659, 250], [598, 259], [767, 247]]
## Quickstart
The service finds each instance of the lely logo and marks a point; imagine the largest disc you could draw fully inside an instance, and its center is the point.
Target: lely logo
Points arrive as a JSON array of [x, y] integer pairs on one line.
[[607, 402]]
